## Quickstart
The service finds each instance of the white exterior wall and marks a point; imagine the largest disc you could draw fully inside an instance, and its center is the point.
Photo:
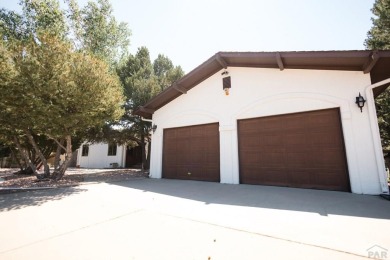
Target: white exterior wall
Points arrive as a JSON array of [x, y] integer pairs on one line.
[[98, 158], [258, 92]]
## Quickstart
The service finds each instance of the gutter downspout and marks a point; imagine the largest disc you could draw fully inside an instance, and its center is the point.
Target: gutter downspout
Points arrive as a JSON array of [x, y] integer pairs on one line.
[[146, 120], [380, 162], [151, 121]]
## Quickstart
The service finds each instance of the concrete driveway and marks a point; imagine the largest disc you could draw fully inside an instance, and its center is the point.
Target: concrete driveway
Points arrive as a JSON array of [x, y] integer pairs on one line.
[[172, 219]]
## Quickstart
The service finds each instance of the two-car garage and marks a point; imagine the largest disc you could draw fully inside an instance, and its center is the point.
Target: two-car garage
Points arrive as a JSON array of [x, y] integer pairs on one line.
[[304, 119], [303, 150]]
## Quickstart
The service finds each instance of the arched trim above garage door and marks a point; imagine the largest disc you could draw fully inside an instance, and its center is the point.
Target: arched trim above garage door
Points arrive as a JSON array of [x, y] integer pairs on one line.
[[292, 102], [195, 117]]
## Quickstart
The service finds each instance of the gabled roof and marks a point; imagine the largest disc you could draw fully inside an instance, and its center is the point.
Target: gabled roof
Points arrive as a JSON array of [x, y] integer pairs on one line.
[[377, 63]]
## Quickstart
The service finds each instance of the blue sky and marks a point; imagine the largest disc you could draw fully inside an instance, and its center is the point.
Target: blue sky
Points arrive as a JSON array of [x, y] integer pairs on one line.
[[189, 32]]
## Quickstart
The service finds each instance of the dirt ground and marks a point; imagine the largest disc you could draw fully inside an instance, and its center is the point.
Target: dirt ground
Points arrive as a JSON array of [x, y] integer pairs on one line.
[[73, 177]]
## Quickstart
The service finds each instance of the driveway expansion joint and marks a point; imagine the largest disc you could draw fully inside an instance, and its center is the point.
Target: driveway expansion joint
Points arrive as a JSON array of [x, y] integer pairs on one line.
[[73, 231], [264, 235]]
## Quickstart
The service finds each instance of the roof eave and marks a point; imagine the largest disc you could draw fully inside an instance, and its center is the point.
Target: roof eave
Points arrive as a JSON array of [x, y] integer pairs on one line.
[[363, 60]]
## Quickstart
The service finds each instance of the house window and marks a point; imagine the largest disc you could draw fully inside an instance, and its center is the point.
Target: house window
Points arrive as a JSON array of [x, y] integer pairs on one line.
[[111, 149], [85, 150]]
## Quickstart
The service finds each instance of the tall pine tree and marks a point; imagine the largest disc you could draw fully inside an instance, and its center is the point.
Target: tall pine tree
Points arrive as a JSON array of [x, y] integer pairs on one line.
[[378, 38]]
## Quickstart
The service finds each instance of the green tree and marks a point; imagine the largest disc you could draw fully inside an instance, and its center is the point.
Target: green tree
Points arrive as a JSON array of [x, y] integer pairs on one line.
[[143, 80], [378, 38], [139, 85], [382, 103], [91, 30], [12, 25], [165, 72], [55, 92], [96, 30], [37, 16], [9, 135], [45, 15]]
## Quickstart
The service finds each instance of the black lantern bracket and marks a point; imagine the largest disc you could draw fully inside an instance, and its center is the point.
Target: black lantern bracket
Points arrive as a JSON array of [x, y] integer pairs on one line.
[[360, 102], [154, 127]]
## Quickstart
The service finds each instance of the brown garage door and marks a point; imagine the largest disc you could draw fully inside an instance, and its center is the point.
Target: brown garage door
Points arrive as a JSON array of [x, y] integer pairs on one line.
[[303, 150], [192, 153]]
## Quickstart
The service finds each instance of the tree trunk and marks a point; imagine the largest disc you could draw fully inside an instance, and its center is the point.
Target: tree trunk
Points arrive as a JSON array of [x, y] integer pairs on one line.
[[39, 153], [25, 157], [32, 156], [68, 156], [58, 154], [14, 156], [47, 152], [38, 165]]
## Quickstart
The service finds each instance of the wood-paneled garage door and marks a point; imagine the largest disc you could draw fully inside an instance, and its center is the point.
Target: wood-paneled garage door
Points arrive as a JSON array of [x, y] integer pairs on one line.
[[192, 153], [303, 150]]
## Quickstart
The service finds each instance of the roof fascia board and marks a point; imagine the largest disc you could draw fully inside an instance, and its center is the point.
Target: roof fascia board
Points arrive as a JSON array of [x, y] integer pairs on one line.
[[233, 59], [146, 110], [179, 88], [221, 61], [279, 61], [372, 60], [296, 54]]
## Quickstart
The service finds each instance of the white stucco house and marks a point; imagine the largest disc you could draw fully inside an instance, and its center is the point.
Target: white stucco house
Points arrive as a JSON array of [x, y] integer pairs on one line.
[[101, 155], [274, 118]]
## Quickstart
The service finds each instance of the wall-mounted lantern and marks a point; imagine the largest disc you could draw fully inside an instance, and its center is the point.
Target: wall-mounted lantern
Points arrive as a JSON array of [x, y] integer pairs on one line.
[[226, 82], [154, 127], [360, 102]]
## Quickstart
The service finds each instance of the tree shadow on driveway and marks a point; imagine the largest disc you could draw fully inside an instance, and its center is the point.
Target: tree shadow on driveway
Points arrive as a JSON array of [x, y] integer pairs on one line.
[[305, 200], [19, 200]]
